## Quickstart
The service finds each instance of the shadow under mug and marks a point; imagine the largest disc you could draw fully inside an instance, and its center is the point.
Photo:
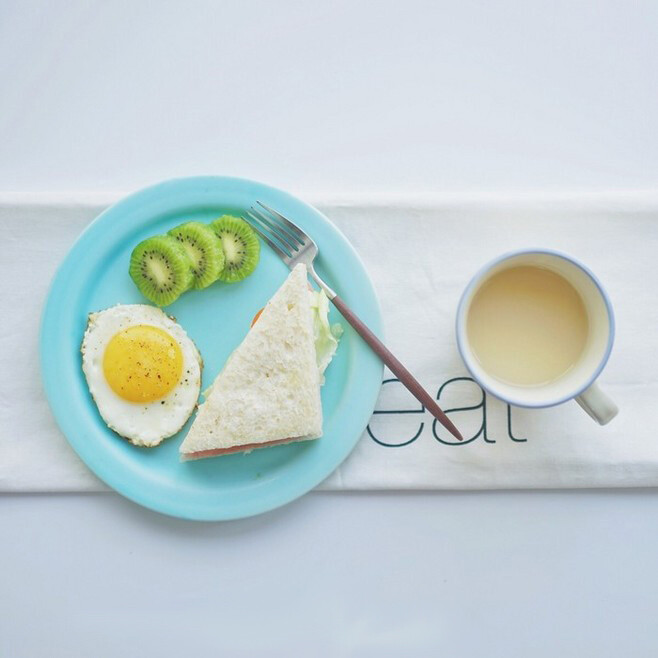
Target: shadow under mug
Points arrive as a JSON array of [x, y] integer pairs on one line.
[[580, 382]]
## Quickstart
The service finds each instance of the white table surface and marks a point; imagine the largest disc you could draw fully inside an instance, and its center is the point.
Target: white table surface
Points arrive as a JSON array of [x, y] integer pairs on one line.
[[332, 100]]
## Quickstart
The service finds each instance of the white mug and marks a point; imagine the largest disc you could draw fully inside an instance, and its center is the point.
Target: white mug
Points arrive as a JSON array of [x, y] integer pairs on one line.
[[579, 383]]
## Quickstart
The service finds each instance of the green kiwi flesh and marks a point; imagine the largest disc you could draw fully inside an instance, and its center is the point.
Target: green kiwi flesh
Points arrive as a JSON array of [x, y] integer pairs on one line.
[[240, 245], [203, 248], [161, 269]]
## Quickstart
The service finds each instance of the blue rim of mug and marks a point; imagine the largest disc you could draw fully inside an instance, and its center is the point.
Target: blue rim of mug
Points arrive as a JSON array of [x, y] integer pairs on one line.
[[461, 331]]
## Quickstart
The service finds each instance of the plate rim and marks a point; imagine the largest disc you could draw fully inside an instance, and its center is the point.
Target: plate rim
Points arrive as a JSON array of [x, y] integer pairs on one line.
[[163, 506]]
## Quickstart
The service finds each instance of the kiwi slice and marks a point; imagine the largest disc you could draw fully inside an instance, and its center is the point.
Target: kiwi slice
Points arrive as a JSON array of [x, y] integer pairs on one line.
[[203, 248], [241, 247], [161, 269]]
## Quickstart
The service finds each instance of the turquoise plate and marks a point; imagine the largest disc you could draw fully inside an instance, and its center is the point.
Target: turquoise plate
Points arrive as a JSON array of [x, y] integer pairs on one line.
[[94, 276]]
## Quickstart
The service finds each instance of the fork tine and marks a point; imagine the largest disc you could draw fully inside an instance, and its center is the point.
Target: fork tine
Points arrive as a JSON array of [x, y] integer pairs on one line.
[[272, 232], [257, 227], [276, 228], [292, 228]]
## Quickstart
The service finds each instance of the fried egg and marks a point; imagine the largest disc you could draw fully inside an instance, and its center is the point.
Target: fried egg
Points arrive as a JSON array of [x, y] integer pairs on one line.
[[143, 372]]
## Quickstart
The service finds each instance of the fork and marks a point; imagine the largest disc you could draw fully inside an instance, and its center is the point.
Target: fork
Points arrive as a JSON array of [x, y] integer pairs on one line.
[[294, 246]]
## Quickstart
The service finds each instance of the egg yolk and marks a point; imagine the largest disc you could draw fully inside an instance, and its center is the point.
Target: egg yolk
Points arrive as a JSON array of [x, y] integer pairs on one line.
[[142, 363]]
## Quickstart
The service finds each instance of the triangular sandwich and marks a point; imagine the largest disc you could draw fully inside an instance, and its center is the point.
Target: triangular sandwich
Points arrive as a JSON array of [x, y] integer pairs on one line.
[[269, 390]]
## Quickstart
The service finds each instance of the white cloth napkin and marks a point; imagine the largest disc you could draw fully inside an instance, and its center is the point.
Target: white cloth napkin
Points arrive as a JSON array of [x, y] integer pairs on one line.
[[420, 257]]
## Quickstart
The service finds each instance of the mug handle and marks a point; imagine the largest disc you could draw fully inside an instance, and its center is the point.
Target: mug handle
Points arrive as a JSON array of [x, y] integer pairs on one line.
[[597, 404]]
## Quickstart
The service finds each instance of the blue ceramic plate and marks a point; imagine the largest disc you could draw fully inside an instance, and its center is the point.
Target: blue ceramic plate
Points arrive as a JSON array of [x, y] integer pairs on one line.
[[94, 276]]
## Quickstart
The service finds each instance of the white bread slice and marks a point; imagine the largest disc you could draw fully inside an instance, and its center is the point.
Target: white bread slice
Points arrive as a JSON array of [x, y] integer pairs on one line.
[[269, 389]]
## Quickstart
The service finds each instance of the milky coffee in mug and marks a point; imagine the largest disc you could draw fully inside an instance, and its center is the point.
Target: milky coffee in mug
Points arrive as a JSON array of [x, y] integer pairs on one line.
[[535, 328]]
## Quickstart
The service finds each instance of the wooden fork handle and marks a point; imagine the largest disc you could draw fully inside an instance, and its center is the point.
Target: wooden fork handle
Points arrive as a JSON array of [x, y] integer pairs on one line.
[[396, 367]]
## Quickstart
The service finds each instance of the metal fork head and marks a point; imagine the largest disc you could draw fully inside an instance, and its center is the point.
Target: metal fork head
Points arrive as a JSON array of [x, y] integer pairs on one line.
[[290, 243], [286, 239]]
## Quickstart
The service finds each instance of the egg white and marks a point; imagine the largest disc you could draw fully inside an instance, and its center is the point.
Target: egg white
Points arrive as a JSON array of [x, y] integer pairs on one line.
[[142, 423]]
